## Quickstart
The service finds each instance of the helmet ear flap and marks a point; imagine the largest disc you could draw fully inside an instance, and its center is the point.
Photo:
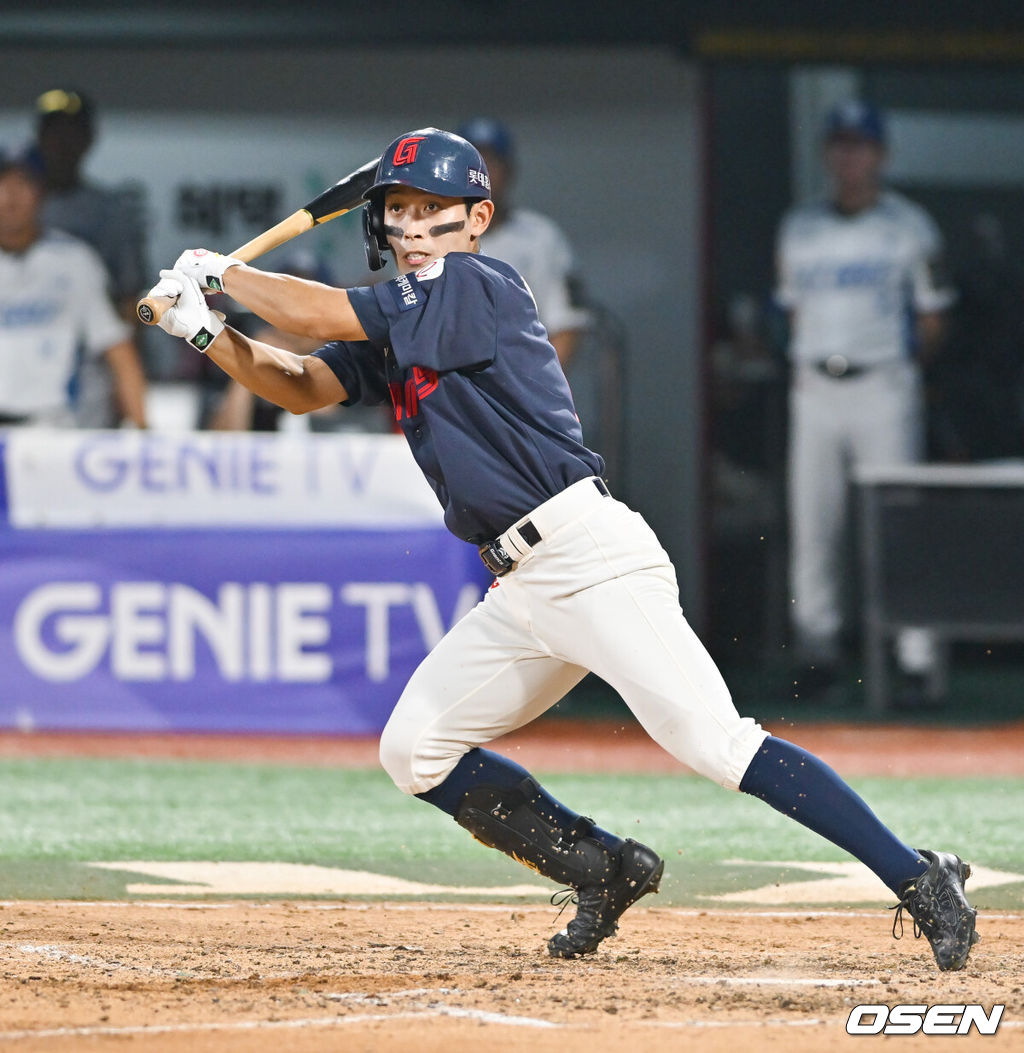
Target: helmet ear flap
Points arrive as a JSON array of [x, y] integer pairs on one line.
[[374, 238]]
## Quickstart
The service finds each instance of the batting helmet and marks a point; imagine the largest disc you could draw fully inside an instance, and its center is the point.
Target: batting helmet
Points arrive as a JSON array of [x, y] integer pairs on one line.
[[855, 119], [428, 159]]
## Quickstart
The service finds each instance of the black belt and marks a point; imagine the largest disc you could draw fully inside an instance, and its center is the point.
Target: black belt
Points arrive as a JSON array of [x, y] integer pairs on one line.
[[493, 553], [839, 367], [12, 418]]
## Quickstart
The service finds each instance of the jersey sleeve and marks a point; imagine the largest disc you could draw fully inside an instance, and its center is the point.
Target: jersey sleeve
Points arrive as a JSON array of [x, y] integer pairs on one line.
[[553, 286], [932, 289], [360, 368], [364, 302], [444, 320]]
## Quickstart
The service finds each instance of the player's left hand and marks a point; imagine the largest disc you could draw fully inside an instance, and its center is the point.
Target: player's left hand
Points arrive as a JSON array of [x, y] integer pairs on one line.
[[190, 317], [206, 267]]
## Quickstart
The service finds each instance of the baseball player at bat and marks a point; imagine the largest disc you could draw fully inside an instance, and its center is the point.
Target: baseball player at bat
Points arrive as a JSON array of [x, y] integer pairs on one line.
[[581, 582]]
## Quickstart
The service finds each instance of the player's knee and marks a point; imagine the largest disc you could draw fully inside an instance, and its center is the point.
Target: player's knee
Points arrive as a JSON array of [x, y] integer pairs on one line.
[[406, 755], [397, 755], [721, 753], [415, 760]]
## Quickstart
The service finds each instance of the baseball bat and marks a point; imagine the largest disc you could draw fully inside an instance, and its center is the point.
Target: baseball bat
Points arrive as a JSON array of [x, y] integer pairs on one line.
[[336, 200]]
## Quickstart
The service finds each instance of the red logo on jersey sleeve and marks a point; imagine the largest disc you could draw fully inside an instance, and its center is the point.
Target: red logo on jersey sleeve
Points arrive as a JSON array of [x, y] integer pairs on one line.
[[405, 151]]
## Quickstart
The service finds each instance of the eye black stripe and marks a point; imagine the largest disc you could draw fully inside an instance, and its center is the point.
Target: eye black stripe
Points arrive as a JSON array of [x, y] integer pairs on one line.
[[447, 228]]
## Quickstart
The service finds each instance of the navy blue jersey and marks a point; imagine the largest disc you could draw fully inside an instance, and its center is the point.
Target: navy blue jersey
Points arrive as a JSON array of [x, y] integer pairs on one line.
[[476, 388]]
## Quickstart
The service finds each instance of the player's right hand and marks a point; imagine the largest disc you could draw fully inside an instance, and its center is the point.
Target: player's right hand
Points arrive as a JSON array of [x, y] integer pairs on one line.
[[206, 267], [190, 317]]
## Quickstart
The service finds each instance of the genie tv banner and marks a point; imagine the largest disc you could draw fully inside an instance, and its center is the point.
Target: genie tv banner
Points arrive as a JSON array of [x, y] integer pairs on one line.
[[219, 582]]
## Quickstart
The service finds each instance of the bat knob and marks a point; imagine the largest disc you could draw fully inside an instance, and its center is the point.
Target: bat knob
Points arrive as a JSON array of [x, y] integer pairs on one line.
[[150, 309]]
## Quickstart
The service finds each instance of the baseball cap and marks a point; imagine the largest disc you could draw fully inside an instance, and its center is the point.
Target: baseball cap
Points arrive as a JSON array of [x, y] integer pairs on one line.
[[26, 158], [60, 102], [487, 133], [855, 119]]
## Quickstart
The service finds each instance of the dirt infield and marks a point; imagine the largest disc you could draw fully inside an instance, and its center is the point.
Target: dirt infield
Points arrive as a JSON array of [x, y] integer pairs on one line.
[[432, 978], [355, 976]]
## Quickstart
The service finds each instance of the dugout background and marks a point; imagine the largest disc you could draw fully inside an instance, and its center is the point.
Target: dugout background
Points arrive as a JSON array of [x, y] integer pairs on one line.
[[609, 145]]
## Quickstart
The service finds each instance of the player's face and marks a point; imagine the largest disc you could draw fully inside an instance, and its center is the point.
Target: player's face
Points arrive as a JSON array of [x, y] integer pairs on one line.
[[422, 227], [854, 163], [20, 198], [63, 142]]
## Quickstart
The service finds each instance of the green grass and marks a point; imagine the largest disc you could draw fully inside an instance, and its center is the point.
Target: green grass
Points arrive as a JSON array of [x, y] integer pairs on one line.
[[59, 814]]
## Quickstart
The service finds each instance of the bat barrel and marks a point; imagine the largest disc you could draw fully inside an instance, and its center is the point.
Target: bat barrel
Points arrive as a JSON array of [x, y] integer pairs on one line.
[[335, 201]]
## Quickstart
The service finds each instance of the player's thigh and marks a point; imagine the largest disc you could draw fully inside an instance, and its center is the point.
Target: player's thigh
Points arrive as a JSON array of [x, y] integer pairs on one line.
[[817, 475], [894, 433], [633, 634], [484, 679]]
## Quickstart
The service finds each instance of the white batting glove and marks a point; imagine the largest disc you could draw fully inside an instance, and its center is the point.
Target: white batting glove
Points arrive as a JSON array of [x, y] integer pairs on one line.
[[206, 267], [190, 317]]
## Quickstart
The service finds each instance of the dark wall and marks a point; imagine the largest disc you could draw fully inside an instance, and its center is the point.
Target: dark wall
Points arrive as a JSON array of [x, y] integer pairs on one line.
[[749, 184]]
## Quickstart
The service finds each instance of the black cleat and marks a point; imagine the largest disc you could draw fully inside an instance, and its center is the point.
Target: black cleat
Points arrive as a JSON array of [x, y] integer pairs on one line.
[[601, 905], [939, 907]]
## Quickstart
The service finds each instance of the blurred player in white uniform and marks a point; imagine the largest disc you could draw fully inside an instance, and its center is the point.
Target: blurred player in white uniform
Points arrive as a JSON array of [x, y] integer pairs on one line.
[[55, 312], [860, 274], [106, 217], [532, 243]]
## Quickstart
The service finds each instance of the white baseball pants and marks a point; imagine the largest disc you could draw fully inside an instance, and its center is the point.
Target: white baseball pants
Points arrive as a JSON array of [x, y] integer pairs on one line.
[[596, 593], [875, 418]]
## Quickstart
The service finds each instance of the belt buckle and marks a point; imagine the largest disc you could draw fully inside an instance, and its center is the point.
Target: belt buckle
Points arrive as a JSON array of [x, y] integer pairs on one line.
[[837, 366], [496, 559]]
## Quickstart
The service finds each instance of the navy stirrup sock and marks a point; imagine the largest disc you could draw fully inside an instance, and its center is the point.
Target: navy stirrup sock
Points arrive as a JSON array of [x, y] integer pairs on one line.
[[806, 789], [475, 767], [791, 780], [484, 767]]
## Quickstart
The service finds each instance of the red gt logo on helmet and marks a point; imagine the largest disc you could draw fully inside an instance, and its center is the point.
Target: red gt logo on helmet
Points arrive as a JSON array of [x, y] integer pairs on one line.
[[405, 151]]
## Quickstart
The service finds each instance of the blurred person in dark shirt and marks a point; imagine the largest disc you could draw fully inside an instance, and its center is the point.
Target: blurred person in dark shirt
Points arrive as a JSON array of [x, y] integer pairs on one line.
[[106, 217]]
